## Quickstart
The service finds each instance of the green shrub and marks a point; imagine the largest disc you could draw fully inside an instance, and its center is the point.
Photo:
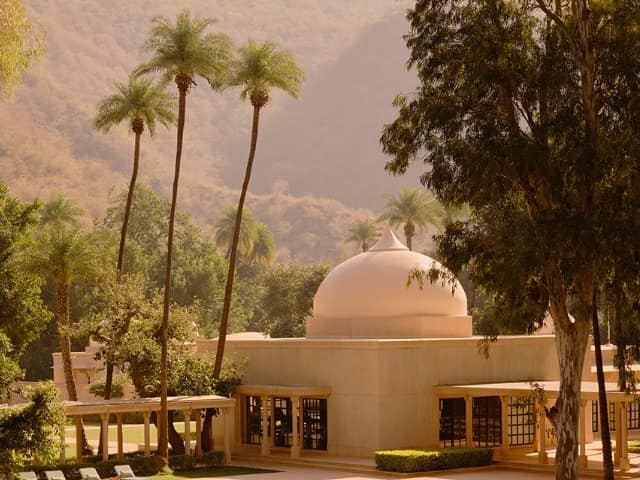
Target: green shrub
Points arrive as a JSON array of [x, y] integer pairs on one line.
[[424, 460]]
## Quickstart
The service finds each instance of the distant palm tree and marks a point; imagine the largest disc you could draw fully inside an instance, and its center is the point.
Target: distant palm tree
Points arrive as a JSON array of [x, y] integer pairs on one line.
[[264, 246], [181, 52], [63, 254], [364, 233], [260, 67], [413, 211], [140, 101], [59, 210], [225, 227]]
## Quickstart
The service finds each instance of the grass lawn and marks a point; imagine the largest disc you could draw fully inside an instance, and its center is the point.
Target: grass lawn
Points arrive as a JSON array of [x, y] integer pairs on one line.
[[633, 446], [210, 472], [131, 433]]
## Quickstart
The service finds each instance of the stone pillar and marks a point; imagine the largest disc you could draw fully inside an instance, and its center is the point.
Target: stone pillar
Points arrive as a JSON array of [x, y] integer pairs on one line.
[[187, 431], [227, 413], [624, 434], [79, 439], [147, 434], [199, 433], [468, 418], [582, 457], [295, 440], [504, 425], [264, 412], [541, 431], [120, 438], [616, 414], [63, 441], [104, 421]]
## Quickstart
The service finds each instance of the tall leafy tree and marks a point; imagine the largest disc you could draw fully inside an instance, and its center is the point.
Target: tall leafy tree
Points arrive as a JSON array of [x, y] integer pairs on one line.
[[518, 116], [20, 44], [140, 102], [63, 254], [364, 233], [255, 243], [411, 209], [180, 53], [259, 68]]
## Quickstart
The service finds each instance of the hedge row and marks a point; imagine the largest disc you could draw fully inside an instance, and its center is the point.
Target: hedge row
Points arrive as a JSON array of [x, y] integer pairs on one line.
[[139, 464], [424, 460]]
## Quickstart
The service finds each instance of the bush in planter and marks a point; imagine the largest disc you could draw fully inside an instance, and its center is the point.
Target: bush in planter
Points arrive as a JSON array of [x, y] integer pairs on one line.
[[424, 460]]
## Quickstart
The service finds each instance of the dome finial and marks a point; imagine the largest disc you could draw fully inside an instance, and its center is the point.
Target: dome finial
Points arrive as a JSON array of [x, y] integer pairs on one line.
[[388, 242]]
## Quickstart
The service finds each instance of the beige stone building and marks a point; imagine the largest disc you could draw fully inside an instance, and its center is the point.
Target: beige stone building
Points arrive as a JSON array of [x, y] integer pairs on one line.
[[390, 365]]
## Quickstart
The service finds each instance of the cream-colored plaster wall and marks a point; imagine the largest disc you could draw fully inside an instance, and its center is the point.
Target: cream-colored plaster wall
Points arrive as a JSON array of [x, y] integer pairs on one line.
[[382, 390]]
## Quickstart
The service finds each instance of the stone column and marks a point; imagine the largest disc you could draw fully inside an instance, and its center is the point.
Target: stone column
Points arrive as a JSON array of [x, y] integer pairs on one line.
[[187, 431], [541, 431], [147, 434], [616, 413], [624, 434], [63, 441], [120, 438], [79, 439], [199, 433], [104, 420], [295, 441], [265, 449], [582, 458], [504, 425], [468, 418], [227, 413]]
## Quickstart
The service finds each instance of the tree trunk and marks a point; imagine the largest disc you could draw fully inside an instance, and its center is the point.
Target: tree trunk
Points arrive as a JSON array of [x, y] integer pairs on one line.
[[571, 344], [62, 317], [409, 232], [603, 404], [226, 307], [205, 436], [163, 421], [108, 383]]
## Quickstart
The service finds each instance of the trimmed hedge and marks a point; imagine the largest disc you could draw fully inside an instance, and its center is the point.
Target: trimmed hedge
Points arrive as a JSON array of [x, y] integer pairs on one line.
[[424, 460], [140, 465]]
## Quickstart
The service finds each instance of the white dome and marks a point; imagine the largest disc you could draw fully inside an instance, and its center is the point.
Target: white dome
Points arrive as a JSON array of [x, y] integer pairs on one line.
[[372, 287]]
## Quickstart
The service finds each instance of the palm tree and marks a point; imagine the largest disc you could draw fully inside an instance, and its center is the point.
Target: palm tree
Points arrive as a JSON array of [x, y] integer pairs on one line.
[[225, 227], [63, 254], [259, 68], [181, 52], [59, 210], [364, 233], [412, 210], [264, 246], [140, 101]]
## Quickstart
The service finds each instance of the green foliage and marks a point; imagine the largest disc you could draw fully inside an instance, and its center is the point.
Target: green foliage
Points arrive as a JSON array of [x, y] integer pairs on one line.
[[261, 67], [20, 44], [32, 431], [186, 49], [288, 298], [117, 388], [363, 233], [255, 244], [425, 460], [140, 101]]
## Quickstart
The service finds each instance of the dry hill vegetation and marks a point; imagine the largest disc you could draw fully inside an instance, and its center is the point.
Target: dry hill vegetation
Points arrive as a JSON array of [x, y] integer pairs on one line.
[[47, 143]]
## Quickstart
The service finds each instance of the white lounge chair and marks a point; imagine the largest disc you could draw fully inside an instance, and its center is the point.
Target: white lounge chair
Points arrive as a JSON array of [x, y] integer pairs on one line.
[[89, 473], [125, 472], [54, 475], [31, 475]]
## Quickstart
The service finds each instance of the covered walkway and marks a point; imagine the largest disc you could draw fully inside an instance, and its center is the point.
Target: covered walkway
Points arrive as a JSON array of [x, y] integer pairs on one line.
[[184, 404], [542, 394]]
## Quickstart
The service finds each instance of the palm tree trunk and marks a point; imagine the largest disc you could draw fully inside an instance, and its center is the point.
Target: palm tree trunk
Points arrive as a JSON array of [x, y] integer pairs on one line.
[[127, 210], [409, 232], [62, 317], [605, 435], [163, 420], [226, 307]]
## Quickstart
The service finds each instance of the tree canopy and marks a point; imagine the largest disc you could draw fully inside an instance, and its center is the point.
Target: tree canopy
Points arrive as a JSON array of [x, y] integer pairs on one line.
[[519, 117]]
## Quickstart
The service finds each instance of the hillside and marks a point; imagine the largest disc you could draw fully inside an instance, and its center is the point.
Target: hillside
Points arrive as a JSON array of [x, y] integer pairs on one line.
[[47, 143]]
